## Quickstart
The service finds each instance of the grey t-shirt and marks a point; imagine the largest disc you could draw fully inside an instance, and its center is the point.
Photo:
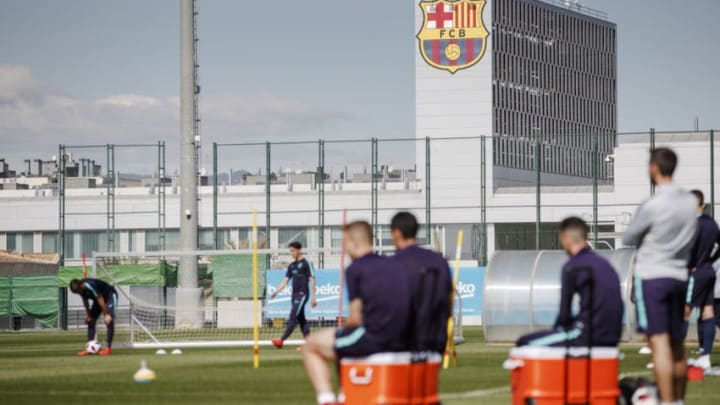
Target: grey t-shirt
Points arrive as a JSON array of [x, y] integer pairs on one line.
[[663, 229]]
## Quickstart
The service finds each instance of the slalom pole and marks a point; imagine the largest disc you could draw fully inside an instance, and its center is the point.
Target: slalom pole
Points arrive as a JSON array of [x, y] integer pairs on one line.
[[450, 346], [84, 266], [342, 271], [256, 330]]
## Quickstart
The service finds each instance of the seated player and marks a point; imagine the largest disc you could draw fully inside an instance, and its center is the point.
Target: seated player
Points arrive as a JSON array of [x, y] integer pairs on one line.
[[705, 251], [598, 285], [300, 271], [378, 314], [105, 300], [430, 294]]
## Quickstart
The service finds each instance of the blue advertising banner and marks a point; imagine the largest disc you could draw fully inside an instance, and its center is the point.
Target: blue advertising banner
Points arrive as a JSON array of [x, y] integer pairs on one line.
[[327, 290]]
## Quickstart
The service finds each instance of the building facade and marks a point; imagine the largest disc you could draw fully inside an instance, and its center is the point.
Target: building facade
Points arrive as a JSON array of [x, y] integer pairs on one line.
[[554, 85]]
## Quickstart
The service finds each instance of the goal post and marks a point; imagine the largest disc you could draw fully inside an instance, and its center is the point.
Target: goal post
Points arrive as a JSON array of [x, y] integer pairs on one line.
[[146, 283]]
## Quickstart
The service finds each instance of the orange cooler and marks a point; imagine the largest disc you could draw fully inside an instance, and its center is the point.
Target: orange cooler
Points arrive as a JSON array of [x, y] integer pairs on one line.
[[538, 375], [391, 379]]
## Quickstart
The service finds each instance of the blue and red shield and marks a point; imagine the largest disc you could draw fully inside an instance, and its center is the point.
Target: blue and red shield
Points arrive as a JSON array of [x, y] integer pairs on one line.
[[453, 35]]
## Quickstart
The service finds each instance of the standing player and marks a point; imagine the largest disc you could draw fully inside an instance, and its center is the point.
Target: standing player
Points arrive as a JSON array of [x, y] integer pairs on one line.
[[379, 310], [594, 280], [300, 271], [663, 229], [105, 301], [702, 280], [430, 317]]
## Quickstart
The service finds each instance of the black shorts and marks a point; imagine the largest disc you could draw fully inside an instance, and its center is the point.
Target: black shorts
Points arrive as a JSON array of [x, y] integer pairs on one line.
[[701, 288], [660, 306], [354, 342]]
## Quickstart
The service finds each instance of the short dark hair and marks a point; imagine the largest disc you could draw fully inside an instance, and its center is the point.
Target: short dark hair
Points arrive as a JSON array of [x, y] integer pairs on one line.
[[406, 223], [360, 228], [665, 159], [575, 224], [295, 245], [700, 197], [74, 284]]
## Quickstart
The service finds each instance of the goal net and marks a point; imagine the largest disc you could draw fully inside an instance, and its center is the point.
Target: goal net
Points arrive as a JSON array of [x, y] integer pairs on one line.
[[148, 315]]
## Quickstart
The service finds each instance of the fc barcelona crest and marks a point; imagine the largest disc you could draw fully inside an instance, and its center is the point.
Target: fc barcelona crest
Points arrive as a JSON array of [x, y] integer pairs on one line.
[[453, 35]]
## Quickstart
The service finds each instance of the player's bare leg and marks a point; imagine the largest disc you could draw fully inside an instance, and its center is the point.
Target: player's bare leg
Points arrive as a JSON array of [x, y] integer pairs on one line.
[[318, 350], [662, 355], [679, 368]]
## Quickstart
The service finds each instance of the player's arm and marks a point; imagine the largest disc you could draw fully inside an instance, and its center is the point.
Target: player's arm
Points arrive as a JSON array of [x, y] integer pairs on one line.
[[280, 287], [86, 304], [103, 306], [716, 255], [567, 291], [313, 298], [311, 282], [638, 227], [355, 314]]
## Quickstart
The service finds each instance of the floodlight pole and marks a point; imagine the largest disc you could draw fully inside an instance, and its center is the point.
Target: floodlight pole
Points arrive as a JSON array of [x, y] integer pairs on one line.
[[188, 293]]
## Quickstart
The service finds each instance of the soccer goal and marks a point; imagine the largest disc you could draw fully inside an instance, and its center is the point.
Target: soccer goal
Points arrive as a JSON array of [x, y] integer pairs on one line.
[[234, 307]]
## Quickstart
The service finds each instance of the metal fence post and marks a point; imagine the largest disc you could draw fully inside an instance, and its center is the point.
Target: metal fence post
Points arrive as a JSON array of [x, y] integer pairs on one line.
[[268, 184], [538, 167], [215, 195], [61, 202], [428, 222], [712, 173], [595, 173], [321, 201], [483, 203], [374, 193], [652, 148]]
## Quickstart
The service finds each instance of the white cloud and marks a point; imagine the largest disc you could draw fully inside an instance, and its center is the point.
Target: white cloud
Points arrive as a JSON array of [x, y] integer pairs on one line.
[[34, 119]]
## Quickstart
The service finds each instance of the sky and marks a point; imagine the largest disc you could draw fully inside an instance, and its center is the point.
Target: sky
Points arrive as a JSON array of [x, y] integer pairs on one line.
[[97, 72]]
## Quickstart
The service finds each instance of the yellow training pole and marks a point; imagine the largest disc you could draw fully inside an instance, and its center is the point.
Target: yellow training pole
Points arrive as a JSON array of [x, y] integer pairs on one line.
[[450, 346], [256, 330]]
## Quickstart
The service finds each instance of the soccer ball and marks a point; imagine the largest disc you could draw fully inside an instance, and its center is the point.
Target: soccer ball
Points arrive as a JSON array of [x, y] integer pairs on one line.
[[92, 347]]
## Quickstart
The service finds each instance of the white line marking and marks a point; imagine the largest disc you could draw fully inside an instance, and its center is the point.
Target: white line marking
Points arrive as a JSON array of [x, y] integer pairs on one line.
[[477, 393]]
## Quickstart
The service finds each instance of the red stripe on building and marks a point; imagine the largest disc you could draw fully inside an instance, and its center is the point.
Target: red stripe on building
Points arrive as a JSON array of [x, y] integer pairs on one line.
[[435, 54], [464, 14], [456, 12], [469, 50], [453, 62]]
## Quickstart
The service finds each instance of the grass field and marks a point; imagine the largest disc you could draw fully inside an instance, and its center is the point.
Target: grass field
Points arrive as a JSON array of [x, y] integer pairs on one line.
[[41, 368]]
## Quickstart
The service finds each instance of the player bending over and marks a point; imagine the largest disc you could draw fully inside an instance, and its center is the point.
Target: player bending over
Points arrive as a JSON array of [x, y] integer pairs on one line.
[[300, 271], [663, 229], [430, 293], [378, 315], [701, 286], [105, 300], [599, 321]]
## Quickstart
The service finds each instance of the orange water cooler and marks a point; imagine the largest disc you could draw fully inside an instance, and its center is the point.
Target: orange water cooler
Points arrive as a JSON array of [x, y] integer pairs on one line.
[[559, 376], [391, 379]]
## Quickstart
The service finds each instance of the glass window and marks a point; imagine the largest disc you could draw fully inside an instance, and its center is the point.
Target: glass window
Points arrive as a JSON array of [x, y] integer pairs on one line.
[[293, 234], [12, 242], [49, 242], [21, 242]]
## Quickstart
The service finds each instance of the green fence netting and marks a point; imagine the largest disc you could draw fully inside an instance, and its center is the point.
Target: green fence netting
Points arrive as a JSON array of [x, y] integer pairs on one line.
[[34, 296], [160, 274], [232, 276]]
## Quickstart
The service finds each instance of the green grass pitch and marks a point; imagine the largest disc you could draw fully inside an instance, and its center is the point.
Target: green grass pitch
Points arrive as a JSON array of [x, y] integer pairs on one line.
[[41, 368]]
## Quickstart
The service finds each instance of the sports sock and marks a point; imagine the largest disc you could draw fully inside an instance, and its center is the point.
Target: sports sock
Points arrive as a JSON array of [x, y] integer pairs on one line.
[[326, 398], [700, 332], [708, 327]]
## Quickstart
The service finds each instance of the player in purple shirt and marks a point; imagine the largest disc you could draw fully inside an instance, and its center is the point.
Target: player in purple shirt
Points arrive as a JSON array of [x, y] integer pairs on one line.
[[430, 285], [378, 316], [300, 271], [701, 285], [599, 320], [105, 299]]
